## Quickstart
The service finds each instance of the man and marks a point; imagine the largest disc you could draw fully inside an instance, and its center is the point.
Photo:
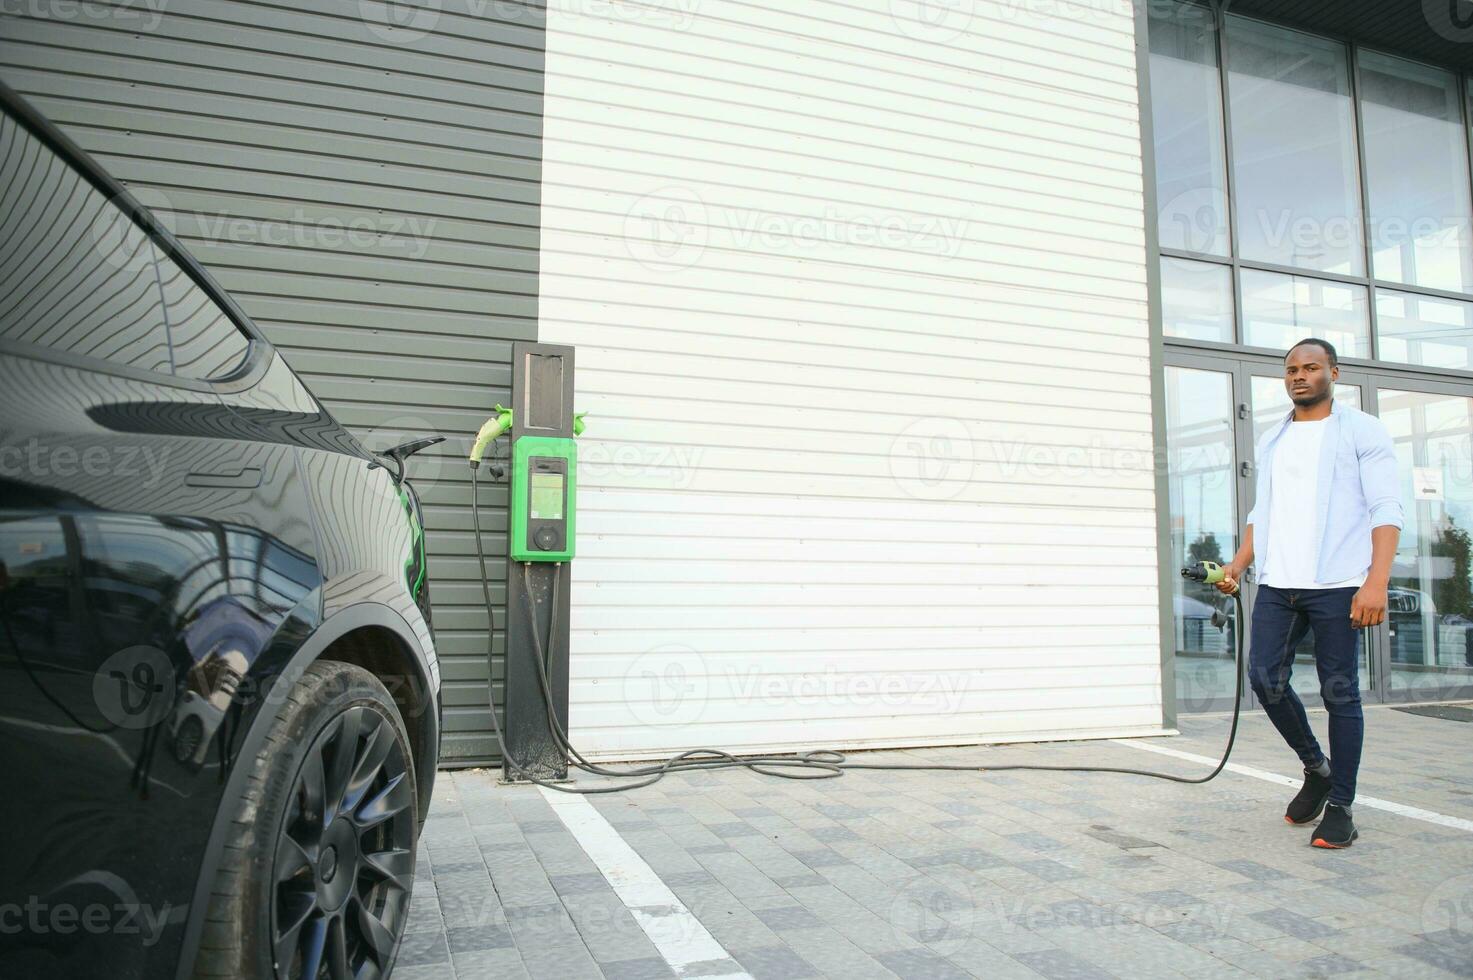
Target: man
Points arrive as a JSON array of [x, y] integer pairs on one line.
[[1326, 520]]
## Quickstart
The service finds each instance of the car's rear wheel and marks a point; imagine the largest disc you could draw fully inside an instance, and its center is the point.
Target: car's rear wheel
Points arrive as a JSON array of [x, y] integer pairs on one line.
[[315, 878]]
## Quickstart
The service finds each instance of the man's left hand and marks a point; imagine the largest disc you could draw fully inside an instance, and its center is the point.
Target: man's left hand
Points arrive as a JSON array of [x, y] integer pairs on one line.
[[1368, 608]]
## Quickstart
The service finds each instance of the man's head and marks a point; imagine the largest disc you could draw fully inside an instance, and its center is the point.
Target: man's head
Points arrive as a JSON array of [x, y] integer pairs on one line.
[[1310, 370]]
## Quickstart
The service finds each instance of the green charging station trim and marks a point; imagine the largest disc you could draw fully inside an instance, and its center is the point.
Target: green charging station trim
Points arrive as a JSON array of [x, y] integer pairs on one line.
[[544, 491]]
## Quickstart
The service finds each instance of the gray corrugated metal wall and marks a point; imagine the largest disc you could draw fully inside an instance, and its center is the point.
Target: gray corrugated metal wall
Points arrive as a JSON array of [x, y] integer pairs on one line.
[[368, 189]]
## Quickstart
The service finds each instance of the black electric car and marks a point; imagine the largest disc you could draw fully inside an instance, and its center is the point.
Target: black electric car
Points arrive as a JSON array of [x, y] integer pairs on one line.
[[219, 696]]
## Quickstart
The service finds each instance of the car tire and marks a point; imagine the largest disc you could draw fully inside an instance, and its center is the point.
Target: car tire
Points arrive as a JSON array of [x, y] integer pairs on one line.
[[319, 857]]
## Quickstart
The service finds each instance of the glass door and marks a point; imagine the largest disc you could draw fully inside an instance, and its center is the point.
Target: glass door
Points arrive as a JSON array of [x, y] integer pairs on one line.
[[1429, 631], [1203, 489]]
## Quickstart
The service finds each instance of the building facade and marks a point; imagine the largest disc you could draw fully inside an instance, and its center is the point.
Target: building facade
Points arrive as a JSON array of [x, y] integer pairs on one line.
[[921, 342], [1310, 181]]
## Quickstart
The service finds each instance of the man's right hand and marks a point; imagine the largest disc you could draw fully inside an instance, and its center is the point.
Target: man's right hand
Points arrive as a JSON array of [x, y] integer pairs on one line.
[[1232, 574]]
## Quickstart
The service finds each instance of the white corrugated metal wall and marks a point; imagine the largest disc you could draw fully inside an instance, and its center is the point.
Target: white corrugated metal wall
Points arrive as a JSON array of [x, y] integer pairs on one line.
[[859, 296]]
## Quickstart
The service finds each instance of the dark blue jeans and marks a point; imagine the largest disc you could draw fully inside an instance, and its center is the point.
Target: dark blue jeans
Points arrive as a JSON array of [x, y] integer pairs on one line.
[[1281, 619]]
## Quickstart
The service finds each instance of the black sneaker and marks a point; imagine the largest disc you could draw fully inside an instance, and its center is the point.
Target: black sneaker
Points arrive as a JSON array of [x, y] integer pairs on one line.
[[1310, 800], [1336, 830]]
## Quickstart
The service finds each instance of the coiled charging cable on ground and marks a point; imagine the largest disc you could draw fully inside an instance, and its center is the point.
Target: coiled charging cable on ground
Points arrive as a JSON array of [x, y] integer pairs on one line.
[[820, 764]]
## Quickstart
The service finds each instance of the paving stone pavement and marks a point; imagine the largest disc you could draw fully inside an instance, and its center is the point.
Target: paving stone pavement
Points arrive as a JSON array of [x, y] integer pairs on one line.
[[997, 875]]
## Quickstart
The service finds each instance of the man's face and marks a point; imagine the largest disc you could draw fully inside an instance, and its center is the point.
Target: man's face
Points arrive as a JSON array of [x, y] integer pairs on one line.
[[1308, 376]]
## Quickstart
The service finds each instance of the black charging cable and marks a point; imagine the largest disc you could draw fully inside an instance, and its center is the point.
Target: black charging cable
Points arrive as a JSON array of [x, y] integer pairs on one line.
[[813, 765], [820, 764]]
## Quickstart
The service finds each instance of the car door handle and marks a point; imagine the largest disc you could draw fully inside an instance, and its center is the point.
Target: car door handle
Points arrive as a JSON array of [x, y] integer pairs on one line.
[[246, 478]]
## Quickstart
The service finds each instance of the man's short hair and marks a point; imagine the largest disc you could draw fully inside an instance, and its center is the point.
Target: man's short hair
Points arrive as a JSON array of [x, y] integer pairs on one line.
[[1328, 348]]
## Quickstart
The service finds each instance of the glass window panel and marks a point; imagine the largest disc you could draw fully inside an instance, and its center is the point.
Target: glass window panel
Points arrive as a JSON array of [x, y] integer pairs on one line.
[[1280, 310], [1426, 330], [1196, 300], [1416, 173], [207, 343], [1186, 118], [76, 275], [1202, 483], [1294, 154], [1430, 602]]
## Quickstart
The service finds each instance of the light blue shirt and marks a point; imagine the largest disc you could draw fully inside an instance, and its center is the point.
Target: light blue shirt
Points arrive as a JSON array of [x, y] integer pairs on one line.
[[1357, 489]]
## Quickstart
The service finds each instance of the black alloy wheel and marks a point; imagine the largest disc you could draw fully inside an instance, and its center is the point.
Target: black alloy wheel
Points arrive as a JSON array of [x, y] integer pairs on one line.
[[344, 860]]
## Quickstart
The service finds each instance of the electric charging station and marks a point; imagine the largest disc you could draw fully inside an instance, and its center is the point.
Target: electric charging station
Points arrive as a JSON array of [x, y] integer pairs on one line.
[[541, 520], [543, 490]]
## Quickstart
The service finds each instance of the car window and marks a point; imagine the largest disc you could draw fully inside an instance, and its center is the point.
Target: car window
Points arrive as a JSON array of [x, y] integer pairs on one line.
[[68, 280], [206, 342], [77, 275]]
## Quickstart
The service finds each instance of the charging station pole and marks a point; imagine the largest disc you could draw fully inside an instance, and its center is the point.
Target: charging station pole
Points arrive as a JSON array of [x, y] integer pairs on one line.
[[542, 406]]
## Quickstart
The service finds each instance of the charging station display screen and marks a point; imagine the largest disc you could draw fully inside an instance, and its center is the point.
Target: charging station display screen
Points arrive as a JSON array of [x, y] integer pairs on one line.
[[547, 497]]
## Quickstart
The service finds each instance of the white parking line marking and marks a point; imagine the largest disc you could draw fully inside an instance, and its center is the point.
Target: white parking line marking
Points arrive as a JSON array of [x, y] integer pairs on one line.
[[677, 934], [1401, 809]]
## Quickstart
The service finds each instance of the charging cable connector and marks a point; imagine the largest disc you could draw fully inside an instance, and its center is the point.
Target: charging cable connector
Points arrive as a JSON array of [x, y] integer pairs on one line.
[[493, 428]]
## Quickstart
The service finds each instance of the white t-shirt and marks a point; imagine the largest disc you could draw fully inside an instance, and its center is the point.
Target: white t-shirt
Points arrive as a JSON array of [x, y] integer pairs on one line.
[[1293, 552]]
